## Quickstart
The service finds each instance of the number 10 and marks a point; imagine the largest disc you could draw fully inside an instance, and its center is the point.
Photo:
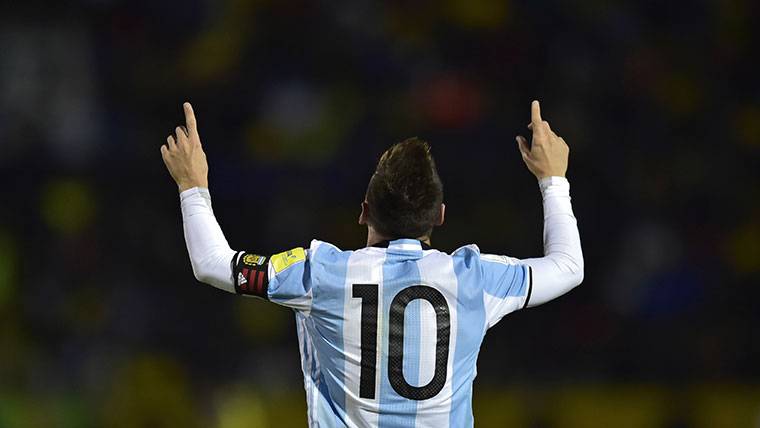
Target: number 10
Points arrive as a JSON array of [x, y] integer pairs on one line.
[[368, 293]]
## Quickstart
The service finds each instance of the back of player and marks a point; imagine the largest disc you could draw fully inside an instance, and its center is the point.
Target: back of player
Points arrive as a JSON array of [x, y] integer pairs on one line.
[[392, 334], [389, 334]]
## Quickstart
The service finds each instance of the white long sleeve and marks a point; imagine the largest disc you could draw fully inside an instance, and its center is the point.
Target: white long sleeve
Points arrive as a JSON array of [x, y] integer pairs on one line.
[[561, 268], [210, 254], [559, 271]]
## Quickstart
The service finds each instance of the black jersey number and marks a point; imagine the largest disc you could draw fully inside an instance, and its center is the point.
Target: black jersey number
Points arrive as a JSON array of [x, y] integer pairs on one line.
[[368, 294]]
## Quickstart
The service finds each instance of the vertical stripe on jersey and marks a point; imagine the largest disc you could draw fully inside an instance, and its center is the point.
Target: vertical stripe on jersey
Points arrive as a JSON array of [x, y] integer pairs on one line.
[[321, 411], [328, 268], [305, 346], [469, 332], [399, 271], [437, 270], [364, 267]]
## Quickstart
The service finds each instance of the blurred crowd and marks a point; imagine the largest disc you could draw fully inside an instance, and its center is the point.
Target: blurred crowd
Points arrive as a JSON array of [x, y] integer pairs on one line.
[[103, 324]]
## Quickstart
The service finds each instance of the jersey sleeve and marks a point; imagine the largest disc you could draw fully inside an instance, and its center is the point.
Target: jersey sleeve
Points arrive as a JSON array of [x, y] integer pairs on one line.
[[507, 285], [282, 278]]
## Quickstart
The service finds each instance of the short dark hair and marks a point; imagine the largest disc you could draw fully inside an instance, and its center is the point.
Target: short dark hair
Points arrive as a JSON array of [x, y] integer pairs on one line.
[[405, 192]]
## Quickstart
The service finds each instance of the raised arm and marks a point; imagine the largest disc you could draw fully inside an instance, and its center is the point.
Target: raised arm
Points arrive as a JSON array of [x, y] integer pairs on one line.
[[210, 254], [561, 268]]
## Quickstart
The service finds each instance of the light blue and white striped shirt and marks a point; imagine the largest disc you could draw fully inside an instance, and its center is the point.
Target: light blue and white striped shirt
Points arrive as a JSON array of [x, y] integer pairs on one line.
[[389, 337]]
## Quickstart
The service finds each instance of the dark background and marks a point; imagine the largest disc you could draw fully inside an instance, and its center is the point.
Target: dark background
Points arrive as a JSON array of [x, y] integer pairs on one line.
[[103, 324]]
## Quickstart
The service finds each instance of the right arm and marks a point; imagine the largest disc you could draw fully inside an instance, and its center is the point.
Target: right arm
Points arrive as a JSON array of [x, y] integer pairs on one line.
[[281, 278], [210, 254]]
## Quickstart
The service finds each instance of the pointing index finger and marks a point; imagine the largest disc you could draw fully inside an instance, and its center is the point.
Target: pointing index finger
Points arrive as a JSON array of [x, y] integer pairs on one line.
[[535, 113], [190, 117]]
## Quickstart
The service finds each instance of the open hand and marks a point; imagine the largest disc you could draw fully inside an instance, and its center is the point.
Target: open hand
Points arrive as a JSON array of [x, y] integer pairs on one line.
[[184, 156], [548, 153]]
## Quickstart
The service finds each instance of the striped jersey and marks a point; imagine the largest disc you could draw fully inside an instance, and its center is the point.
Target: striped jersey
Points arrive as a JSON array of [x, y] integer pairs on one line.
[[389, 335]]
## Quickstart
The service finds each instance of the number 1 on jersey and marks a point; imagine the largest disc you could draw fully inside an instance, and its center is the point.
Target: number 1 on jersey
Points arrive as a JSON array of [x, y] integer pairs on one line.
[[368, 294]]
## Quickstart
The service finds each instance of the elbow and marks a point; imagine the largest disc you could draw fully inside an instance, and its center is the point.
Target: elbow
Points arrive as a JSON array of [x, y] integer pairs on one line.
[[201, 271], [573, 272], [571, 267], [569, 280], [577, 277], [214, 269], [200, 274], [578, 271], [577, 274]]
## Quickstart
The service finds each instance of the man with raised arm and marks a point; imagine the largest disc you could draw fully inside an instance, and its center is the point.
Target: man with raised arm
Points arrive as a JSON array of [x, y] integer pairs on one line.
[[389, 334]]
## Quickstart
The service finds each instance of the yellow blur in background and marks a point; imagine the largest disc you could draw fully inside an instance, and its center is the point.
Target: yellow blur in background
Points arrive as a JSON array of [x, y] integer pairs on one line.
[[153, 391]]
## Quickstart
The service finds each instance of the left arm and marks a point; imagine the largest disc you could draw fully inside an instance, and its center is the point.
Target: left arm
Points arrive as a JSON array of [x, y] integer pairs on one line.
[[561, 268], [514, 284]]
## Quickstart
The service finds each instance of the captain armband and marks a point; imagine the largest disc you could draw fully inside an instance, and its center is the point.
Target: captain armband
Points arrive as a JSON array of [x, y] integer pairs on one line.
[[250, 275]]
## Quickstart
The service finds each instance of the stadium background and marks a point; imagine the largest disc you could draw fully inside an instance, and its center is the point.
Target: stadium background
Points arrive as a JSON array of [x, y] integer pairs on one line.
[[102, 323]]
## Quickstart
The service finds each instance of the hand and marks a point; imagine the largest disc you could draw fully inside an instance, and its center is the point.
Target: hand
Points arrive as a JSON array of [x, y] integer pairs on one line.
[[548, 153], [184, 156]]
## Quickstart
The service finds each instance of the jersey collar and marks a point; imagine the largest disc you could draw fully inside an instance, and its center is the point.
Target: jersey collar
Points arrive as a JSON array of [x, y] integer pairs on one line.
[[403, 244]]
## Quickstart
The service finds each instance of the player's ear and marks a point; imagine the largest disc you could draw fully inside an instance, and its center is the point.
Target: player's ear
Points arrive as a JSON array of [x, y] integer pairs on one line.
[[443, 214], [364, 214]]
